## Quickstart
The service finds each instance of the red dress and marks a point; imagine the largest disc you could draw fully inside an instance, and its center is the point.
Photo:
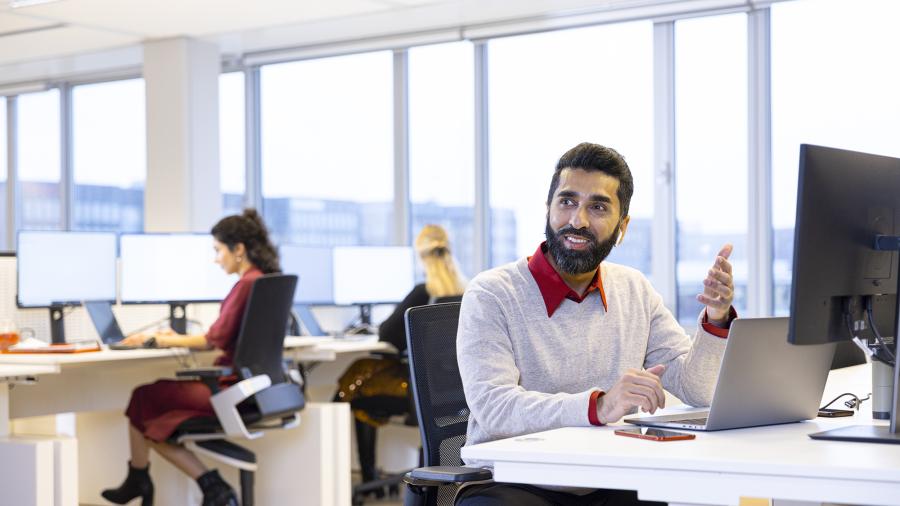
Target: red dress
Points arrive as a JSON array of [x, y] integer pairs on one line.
[[158, 408]]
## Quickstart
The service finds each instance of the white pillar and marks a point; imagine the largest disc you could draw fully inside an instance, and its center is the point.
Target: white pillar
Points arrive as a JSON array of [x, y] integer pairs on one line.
[[182, 192]]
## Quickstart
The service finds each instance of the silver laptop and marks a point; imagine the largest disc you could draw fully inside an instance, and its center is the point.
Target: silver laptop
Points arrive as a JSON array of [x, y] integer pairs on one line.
[[763, 380]]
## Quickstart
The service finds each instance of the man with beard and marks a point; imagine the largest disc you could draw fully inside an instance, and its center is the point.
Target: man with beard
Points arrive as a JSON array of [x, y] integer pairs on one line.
[[563, 339]]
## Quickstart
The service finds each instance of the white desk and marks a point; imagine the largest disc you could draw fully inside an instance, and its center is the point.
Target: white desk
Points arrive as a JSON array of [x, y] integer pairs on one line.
[[27, 462], [778, 462], [327, 349], [307, 465]]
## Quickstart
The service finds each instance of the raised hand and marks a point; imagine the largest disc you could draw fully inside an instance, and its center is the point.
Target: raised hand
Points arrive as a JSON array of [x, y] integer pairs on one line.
[[718, 288]]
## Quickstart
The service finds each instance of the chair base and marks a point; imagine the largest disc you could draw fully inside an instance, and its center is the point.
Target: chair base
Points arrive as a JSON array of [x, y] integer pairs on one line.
[[391, 482]]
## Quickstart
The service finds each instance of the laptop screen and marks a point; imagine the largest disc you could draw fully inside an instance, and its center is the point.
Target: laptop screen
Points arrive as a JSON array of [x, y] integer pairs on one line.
[[104, 321]]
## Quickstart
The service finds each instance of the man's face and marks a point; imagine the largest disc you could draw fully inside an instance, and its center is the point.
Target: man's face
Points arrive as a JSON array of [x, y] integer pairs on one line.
[[583, 221]]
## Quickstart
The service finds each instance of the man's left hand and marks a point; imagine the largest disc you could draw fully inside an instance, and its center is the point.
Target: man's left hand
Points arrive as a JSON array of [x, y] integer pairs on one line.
[[718, 288]]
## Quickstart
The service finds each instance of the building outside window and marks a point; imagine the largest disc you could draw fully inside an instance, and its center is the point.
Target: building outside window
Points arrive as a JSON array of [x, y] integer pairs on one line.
[[711, 154], [38, 153], [442, 144], [109, 156], [4, 176], [327, 150], [551, 91], [232, 142], [831, 91]]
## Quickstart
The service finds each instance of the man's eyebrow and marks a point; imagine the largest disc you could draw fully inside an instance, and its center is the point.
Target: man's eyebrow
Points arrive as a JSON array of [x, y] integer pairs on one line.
[[593, 198]]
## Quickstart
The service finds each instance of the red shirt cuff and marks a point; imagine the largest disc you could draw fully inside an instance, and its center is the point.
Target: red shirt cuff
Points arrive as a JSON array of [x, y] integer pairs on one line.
[[715, 329], [592, 407]]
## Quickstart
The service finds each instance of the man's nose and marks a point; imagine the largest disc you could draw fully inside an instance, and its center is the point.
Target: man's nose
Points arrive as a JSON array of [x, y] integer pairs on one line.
[[579, 218]]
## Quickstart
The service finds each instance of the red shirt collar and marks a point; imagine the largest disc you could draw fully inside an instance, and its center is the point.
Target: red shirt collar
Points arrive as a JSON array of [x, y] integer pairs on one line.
[[553, 289]]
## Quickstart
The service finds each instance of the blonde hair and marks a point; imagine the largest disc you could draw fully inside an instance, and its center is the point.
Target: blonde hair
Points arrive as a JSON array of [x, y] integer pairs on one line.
[[442, 277]]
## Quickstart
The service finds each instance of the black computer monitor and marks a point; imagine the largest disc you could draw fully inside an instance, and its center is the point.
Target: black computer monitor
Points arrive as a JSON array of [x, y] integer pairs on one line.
[[57, 269], [174, 269], [846, 242]]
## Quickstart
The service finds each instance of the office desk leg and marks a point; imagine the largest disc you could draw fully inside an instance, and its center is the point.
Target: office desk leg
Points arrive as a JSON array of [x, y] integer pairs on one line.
[[4, 409]]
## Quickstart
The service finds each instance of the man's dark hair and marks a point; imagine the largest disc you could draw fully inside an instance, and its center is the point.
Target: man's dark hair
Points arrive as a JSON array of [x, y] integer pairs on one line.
[[594, 157]]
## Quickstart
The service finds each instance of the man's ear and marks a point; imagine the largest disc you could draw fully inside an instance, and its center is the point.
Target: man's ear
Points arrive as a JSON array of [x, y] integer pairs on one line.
[[622, 228]]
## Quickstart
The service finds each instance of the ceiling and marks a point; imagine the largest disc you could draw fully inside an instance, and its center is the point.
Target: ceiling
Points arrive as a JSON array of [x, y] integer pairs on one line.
[[64, 27], [42, 40]]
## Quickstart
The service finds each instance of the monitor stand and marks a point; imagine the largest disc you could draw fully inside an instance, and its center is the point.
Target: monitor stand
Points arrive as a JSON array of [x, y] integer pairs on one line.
[[57, 325], [365, 321], [178, 317], [871, 433]]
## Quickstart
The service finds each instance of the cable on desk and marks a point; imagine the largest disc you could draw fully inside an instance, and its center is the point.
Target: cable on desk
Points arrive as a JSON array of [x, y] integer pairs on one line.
[[852, 403]]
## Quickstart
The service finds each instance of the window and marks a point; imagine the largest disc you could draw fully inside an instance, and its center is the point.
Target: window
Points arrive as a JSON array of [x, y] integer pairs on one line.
[[711, 153], [3, 175], [547, 93], [232, 142], [38, 138], [441, 144], [831, 91], [109, 162], [327, 150]]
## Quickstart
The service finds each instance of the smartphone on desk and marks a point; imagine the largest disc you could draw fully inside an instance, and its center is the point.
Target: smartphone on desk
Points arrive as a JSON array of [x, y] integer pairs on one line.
[[654, 434], [835, 413]]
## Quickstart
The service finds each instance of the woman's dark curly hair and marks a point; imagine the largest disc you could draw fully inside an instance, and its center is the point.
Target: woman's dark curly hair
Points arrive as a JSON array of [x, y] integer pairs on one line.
[[248, 228]]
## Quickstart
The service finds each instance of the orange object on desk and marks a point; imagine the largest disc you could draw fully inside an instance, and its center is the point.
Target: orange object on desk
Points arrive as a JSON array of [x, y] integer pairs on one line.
[[76, 347]]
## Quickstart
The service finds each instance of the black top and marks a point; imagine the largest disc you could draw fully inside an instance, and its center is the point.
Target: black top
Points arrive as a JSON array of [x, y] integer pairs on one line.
[[393, 329]]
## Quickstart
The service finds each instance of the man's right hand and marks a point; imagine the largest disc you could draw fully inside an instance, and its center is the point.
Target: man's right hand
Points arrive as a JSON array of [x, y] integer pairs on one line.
[[636, 388]]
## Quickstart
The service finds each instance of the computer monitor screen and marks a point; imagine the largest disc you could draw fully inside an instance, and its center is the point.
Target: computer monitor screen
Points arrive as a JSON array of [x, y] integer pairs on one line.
[[313, 267], [370, 275], [55, 268], [844, 199], [158, 268]]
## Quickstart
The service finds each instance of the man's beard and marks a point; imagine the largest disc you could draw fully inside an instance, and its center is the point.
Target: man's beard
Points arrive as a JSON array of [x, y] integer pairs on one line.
[[578, 262]]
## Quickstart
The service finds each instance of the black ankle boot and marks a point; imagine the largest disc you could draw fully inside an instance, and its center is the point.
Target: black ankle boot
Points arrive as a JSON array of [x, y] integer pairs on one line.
[[136, 484], [215, 491]]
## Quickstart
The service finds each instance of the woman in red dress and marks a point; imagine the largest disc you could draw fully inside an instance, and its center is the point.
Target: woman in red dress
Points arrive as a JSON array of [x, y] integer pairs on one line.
[[242, 247]]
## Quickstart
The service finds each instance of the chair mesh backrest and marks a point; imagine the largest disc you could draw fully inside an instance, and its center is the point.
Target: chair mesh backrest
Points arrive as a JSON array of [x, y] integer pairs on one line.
[[260, 343], [437, 388]]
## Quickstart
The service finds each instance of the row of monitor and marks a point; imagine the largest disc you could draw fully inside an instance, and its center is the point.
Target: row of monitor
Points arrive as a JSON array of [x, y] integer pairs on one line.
[[58, 268]]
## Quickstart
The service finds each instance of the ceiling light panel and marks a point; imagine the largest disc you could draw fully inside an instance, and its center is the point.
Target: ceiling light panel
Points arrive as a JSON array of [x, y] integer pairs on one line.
[[155, 19]]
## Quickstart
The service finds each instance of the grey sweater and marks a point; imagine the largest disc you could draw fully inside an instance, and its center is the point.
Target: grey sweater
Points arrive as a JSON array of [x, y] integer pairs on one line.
[[525, 372]]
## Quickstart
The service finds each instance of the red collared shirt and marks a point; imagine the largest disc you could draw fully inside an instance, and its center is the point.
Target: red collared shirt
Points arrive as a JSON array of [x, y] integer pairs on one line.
[[554, 290]]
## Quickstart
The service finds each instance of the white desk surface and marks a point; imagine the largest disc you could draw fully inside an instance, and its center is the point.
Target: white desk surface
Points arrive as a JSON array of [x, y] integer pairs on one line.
[[779, 462], [90, 357], [326, 348], [307, 348]]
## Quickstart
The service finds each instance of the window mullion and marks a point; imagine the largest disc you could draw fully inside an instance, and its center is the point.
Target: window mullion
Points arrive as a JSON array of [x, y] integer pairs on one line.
[[663, 232], [760, 256]]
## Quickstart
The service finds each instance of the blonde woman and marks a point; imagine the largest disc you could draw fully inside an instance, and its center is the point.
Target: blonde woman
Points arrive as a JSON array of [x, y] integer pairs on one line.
[[378, 388]]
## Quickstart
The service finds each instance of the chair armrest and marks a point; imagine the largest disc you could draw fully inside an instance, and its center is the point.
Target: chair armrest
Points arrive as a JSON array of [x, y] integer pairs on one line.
[[208, 375], [205, 372], [422, 483], [225, 405], [440, 475]]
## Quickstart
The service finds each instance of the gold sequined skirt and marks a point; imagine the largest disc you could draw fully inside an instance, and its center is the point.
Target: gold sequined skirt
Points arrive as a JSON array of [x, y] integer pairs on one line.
[[373, 377]]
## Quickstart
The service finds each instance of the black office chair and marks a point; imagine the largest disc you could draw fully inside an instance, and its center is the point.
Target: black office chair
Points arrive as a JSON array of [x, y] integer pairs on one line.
[[384, 407], [440, 405], [263, 398]]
